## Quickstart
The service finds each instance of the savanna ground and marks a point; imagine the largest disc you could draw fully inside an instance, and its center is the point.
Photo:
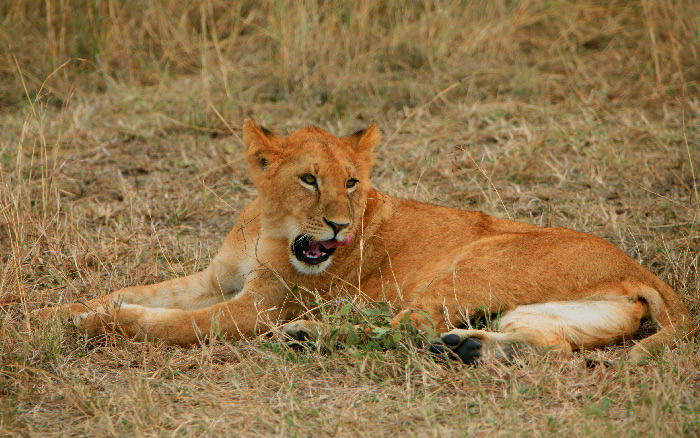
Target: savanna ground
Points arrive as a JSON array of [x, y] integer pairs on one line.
[[121, 164]]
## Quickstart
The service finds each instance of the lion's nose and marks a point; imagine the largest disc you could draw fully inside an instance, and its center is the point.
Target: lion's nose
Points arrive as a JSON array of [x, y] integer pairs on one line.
[[337, 226]]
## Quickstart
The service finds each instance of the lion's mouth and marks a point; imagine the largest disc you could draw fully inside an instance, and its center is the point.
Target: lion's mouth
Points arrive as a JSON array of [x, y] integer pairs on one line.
[[314, 252]]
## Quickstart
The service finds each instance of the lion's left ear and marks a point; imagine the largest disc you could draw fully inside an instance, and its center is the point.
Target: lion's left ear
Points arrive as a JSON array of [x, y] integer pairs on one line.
[[365, 140]]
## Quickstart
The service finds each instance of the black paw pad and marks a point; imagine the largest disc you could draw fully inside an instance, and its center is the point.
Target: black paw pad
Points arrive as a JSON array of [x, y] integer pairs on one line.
[[297, 335], [437, 348], [593, 363], [301, 346], [301, 336], [451, 339], [469, 352], [299, 341]]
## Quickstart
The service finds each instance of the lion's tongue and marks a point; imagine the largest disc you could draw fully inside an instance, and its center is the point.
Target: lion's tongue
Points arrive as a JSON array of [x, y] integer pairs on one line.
[[328, 244]]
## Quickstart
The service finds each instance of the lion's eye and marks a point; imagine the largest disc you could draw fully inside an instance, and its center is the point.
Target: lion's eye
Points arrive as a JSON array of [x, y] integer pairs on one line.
[[351, 183], [309, 179]]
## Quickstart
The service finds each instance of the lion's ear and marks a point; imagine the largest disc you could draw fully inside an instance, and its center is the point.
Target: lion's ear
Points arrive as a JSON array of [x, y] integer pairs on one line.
[[366, 139], [261, 146]]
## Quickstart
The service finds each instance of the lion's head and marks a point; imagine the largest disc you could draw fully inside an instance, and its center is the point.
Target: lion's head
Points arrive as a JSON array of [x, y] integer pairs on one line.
[[313, 188]]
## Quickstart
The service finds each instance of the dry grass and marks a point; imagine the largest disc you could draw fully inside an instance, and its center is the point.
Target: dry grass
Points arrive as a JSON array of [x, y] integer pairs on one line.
[[121, 164]]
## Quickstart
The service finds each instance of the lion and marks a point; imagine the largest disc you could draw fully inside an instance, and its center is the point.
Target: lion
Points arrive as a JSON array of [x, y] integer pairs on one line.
[[317, 223]]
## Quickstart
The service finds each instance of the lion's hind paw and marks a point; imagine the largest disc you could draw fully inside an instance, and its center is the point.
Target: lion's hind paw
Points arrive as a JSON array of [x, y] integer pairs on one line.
[[466, 349], [473, 346]]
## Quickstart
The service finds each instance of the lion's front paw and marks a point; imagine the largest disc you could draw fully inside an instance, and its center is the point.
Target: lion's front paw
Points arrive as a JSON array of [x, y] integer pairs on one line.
[[47, 313], [302, 330], [79, 320], [66, 310], [95, 320], [93, 323]]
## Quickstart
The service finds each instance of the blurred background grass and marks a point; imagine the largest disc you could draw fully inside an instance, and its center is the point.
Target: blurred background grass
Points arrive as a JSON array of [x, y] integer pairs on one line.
[[334, 54]]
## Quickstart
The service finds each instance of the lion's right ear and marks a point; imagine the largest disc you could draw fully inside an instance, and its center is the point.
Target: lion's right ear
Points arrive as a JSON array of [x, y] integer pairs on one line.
[[261, 146]]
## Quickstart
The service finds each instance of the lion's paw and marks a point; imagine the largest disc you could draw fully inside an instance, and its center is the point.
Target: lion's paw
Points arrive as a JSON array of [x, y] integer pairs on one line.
[[97, 321], [472, 346], [79, 319], [301, 330], [71, 311], [47, 313], [94, 324], [467, 349]]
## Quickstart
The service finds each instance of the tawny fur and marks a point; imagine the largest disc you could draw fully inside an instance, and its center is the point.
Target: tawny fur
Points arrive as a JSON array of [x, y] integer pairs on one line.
[[449, 263]]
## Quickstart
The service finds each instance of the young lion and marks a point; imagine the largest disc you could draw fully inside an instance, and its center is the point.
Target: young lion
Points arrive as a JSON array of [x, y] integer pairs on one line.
[[318, 223]]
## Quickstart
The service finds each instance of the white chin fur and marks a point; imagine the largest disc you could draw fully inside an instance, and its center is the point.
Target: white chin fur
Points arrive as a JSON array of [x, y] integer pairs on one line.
[[304, 268]]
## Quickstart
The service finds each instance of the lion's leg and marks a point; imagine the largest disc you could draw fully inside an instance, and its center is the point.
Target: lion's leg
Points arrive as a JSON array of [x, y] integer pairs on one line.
[[260, 305], [667, 310], [560, 327], [470, 346], [219, 282], [179, 293], [428, 320], [240, 317]]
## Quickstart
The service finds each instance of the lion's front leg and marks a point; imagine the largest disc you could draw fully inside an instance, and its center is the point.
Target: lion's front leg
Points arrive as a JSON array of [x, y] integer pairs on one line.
[[260, 305], [219, 282], [173, 326], [180, 293]]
